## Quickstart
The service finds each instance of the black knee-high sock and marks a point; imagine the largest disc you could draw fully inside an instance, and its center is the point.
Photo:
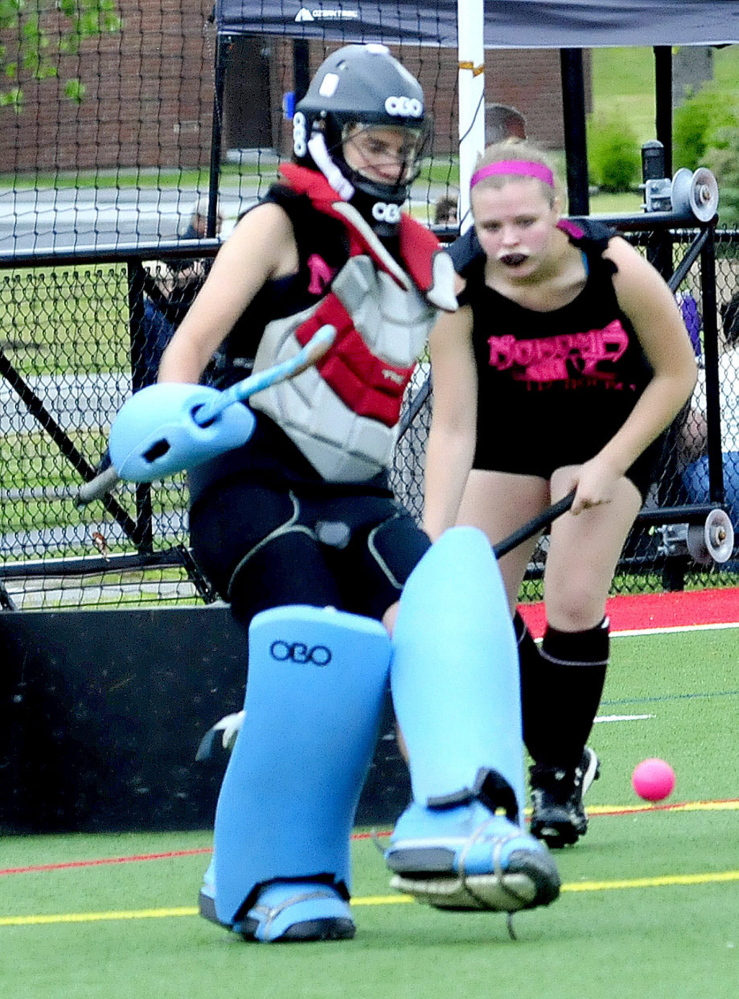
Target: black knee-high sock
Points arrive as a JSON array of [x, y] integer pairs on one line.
[[560, 692], [530, 668]]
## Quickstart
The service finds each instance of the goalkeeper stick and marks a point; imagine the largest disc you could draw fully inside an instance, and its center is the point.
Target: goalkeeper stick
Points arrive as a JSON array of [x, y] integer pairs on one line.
[[306, 357]]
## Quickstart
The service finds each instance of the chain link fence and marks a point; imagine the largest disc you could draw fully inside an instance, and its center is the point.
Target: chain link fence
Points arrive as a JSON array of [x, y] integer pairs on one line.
[[110, 137], [79, 335]]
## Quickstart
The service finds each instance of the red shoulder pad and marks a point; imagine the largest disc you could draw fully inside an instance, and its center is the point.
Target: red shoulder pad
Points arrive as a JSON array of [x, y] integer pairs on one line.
[[418, 247]]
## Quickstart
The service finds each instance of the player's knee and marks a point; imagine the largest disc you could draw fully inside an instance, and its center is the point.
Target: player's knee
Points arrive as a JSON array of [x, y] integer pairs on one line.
[[576, 603], [289, 569], [577, 618]]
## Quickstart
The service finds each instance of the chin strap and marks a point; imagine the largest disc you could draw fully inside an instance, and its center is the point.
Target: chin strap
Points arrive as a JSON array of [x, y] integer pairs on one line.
[[337, 180]]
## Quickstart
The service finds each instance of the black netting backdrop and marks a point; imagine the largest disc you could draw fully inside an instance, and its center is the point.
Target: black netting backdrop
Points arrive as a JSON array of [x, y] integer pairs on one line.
[[106, 163]]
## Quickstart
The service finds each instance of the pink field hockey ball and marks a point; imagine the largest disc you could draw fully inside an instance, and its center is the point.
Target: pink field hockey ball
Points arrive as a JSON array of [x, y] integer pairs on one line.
[[653, 779]]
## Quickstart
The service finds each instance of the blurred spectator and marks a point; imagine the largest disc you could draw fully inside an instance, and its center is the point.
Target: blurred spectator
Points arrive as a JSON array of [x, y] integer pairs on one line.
[[695, 476], [197, 226], [502, 122], [170, 288], [692, 319], [179, 280], [445, 212]]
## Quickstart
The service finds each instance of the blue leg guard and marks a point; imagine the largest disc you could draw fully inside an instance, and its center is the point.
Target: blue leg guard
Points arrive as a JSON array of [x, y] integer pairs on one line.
[[315, 690], [456, 693]]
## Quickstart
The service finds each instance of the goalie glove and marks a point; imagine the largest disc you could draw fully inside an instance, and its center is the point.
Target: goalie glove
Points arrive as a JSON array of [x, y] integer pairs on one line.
[[157, 433]]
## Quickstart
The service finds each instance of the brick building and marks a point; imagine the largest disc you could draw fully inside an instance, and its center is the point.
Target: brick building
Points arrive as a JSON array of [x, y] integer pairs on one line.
[[148, 99], [149, 94]]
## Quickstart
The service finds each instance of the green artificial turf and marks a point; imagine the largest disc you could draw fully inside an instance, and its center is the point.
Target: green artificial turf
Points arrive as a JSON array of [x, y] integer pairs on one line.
[[649, 908]]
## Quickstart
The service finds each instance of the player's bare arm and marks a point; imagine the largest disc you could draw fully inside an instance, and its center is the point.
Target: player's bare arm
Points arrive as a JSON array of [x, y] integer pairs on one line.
[[261, 248], [452, 437]]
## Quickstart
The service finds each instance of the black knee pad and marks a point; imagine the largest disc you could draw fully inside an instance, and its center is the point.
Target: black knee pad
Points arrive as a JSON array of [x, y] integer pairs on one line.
[[377, 562], [229, 523]]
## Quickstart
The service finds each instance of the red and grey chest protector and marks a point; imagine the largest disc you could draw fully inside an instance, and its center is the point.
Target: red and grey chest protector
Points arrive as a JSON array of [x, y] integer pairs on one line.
[[343, 412]]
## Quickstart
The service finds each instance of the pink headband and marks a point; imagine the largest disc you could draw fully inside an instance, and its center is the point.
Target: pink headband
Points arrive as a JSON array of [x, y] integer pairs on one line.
[[522, 168]]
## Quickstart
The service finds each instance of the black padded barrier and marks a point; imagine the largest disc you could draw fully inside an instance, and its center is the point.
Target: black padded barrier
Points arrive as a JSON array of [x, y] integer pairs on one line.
[[102, 712]]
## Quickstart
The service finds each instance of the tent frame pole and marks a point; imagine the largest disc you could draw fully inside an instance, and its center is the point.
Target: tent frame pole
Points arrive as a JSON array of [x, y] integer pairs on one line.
[[575, 135], [663, 101], [471, 96], [223, 47]]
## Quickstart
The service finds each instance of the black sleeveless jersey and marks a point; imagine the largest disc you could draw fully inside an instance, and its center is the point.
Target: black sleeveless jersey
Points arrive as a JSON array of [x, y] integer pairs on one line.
[[569, 376], [270, 455], [322, 251]]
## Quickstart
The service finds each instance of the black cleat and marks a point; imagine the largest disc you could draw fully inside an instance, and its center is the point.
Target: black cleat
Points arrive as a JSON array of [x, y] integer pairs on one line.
[[557, 797]]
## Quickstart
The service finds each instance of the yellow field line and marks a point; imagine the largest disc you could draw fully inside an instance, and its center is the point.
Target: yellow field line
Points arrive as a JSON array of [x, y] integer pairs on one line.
[[660, 882], [686, 806], [668, 880], [94, 917]]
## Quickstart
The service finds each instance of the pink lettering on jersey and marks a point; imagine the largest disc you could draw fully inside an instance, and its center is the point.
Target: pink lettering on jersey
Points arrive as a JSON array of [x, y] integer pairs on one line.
[[561, 357], [320, 274]]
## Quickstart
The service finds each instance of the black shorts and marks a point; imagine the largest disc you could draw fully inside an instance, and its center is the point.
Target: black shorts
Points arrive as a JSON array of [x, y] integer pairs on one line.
[[265, 547], [540, 452], [643, 473]]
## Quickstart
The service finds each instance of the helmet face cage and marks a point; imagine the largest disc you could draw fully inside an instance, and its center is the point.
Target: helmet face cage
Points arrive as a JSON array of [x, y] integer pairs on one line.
[[356, 88], [368, 141]]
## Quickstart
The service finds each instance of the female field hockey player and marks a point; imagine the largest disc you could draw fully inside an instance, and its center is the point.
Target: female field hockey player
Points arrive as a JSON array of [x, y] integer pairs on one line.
[[300, 533], [563, 365]]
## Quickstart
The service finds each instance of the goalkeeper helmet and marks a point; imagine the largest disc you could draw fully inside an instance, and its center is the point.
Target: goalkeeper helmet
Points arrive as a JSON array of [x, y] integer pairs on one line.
[[363, 124]]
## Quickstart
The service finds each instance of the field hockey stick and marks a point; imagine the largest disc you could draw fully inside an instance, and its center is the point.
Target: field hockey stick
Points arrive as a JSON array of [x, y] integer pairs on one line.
[[306, 357], [534, 526], [208, 412]]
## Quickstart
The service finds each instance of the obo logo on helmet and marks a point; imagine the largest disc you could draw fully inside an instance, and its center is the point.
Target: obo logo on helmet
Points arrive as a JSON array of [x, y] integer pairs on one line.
[[405, 107], [300, 134], [386, 212]]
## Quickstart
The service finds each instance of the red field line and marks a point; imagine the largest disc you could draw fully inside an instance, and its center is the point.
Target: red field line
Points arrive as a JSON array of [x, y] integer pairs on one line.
[[34, 868], [637, 612], [379, 834]]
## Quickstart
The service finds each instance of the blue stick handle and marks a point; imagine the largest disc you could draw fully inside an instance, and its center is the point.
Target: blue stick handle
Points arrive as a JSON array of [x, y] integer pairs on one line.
[[307, 356]]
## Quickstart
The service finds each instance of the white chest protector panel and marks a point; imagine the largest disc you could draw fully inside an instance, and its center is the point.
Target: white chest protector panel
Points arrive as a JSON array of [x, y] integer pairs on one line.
[[343, 413]]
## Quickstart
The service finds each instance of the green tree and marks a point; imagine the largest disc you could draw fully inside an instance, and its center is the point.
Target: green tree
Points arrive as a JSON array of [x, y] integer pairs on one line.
[[613, 153], [697, 122], [34, 33], [723, 158]]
